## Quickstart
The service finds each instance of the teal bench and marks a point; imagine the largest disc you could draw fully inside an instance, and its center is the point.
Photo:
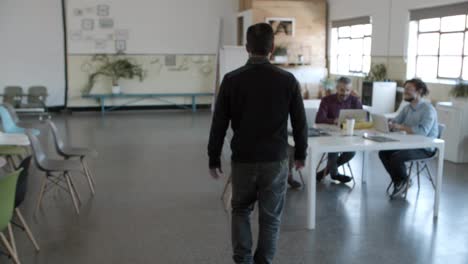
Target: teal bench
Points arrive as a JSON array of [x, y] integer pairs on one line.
[[101, 98]]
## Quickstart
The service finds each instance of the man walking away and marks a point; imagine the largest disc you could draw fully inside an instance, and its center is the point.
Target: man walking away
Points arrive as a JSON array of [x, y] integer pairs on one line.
[[256, 100]]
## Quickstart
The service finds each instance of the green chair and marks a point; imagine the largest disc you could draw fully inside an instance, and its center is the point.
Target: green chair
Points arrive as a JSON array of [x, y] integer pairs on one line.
[[10, 152], [7, 203]]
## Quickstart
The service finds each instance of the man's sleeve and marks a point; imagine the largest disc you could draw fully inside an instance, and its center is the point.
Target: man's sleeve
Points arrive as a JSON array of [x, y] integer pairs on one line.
[[299, 123], [358, 103], [219, 125], [428, 119], [322, 114]]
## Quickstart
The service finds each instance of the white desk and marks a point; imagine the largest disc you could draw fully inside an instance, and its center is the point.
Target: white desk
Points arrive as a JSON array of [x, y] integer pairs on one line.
[[338, 143], [13, 139]]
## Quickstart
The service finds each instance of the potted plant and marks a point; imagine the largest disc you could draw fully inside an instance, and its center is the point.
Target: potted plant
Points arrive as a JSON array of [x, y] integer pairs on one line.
[[459, 94], [326, 86], [114, 67], [280, 54]]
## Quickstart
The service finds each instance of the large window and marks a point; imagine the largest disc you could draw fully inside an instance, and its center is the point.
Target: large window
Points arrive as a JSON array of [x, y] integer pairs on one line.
[[438, 46], [351, 43]]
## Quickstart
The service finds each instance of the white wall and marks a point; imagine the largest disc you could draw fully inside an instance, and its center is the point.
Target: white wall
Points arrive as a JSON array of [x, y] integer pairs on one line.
[[390, 20], [157, 26], [31, 46]]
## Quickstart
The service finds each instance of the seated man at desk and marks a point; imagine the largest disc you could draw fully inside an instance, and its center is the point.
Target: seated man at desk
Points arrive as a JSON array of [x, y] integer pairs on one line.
[[328, 113], [420, 118]]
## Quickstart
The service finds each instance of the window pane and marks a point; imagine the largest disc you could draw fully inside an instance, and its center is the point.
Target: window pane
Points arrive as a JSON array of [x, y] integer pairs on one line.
[[465, 68], [451, 44], [334, 42], [466, 44], [357, 47], [333, 66], [367, 46], [428, 44], [453, 23], [366, 64], [343, 64], [357, 31], [412, 50], [450, 67], [427, 67], [344, 32], [432, 24], [368, 29], [356, 63], [344, 46]]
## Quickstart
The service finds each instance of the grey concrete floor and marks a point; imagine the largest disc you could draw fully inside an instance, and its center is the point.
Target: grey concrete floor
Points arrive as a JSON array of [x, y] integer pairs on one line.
[[155, 203]]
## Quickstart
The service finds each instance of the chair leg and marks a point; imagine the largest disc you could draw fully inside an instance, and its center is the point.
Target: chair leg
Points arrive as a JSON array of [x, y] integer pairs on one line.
[[78, 197], [72, 193], [418, 171], [429, 174], [41, 194], [388, 188], [88, 177], [12, 239], [226, 186], [27, 229], [91, 176], [351, 172], [302, 178], [9, 248]]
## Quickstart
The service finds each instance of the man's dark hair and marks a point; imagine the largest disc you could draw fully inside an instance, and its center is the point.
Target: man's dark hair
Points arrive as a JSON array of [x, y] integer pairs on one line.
[[260, 39], [344, 80], [420, 86]]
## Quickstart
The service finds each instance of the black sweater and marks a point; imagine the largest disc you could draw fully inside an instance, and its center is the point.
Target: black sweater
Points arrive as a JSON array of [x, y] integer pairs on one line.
[[257, 99]]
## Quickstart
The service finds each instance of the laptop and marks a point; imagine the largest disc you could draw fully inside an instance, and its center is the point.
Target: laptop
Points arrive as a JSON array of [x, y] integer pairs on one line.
[[381, 123], [356, 114]]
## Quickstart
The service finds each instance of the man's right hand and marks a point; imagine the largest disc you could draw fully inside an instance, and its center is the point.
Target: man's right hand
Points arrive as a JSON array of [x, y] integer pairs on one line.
[[216, 173]]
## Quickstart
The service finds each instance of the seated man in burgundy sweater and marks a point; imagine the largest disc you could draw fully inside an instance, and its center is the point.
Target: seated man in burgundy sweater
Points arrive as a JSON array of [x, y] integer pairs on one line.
[[329, 113]]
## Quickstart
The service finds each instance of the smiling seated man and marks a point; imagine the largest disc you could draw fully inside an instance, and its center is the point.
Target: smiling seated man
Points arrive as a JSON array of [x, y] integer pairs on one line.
[[418, 118], [328, 113]]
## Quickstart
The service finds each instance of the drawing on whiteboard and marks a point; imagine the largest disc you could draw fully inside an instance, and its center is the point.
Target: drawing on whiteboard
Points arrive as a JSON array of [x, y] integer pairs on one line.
[[110, 36], [106, 22], [182, 67], [102, 10], [89, 38], [87, 24], [120, 45], [89, 10], [76, 35], [121, 34], [100, 44], [78, 12]]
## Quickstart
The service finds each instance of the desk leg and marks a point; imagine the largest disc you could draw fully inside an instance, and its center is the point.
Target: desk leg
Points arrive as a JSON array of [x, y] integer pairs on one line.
[[194, 104], [440, 171], [312, 190], [365, 163]]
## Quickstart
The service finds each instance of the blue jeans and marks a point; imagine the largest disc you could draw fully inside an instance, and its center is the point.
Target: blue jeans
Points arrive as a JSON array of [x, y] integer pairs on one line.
[[266, 183]]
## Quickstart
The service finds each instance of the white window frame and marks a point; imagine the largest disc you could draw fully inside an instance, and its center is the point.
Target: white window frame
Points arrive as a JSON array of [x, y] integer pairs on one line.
[[334, 49]]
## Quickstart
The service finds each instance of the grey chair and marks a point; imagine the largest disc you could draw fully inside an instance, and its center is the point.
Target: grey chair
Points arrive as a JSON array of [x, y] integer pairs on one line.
[[57, 172], [13, 95], [69, 152], [37, 96], [422, 165]]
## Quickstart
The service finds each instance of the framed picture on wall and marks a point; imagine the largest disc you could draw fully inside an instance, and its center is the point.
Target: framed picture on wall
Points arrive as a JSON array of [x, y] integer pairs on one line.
[[282, 26]]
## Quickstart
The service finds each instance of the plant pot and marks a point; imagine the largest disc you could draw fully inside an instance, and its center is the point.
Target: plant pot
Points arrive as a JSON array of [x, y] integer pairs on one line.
[[116, 89]]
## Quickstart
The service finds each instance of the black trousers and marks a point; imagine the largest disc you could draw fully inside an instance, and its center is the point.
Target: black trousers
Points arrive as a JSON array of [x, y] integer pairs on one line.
[[394, 161], [336, 160]]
